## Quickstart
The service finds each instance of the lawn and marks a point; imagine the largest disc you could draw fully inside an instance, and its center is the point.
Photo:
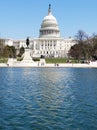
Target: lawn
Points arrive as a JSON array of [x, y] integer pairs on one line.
[[56, 60], [3, 60]]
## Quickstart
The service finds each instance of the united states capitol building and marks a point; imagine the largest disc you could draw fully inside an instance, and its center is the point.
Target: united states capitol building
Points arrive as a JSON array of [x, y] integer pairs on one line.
[[49, 43]]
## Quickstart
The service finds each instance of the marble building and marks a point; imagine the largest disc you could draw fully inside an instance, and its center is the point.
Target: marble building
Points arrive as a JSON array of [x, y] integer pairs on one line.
[[49, 43]]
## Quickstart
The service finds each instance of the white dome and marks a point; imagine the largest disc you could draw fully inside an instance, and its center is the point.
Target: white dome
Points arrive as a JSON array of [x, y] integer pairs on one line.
[[50, 17], [49, 26]]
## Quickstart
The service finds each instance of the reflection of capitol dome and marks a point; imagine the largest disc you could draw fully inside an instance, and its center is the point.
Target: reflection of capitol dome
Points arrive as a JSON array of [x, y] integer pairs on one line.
[[49, 26]]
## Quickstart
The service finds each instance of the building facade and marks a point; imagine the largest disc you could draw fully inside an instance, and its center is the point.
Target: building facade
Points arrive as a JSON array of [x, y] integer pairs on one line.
[[49, 43]]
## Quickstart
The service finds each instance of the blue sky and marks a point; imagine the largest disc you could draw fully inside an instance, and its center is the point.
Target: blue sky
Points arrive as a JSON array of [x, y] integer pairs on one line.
[[22, 18]]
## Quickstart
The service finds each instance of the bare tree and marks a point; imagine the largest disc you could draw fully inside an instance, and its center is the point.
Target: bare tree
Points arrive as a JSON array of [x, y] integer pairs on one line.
[[81, 36]]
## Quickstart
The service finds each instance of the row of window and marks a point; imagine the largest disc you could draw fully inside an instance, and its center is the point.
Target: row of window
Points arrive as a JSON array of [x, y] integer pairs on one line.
[[46, 32], [48, 44], [48, 52], [48, 48], [42, 42], [51, 46]]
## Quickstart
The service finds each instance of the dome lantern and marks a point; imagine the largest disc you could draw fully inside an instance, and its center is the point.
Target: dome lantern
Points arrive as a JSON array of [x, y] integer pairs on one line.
[[49, 10]]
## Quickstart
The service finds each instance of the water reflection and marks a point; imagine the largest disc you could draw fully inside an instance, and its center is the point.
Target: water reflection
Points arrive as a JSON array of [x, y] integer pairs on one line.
[[47, 98], [53, 90]]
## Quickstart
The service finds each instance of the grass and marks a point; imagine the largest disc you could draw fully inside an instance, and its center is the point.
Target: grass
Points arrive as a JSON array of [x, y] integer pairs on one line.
[[3, 60], [36, 59], [48, 60], [56, 60], [60, 60], [19, 58]]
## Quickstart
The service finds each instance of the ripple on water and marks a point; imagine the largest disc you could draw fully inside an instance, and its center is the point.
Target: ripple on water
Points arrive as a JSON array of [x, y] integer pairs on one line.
[[48, 98]]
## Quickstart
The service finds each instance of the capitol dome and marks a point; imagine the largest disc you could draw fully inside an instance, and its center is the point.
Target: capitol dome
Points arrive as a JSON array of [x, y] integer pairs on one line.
[[49, 26]]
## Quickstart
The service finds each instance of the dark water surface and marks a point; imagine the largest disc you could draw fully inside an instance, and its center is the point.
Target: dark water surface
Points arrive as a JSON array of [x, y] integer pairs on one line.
[[48, 99]]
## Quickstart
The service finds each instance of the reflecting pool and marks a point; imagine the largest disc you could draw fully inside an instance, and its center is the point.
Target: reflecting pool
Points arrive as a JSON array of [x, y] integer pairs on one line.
[[48, 99]]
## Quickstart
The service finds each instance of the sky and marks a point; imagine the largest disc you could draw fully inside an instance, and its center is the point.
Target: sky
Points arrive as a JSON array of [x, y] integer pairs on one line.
[[22, 18]]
